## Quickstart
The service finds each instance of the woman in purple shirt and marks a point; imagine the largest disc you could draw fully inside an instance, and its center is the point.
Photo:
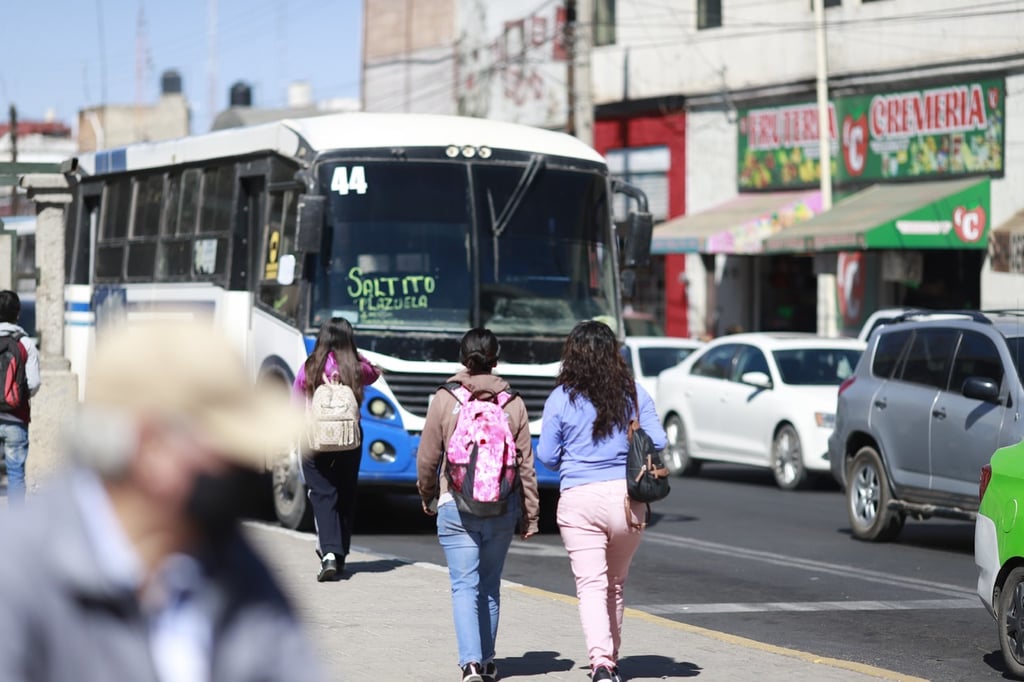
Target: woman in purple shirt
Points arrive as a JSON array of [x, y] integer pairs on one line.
[[584, 438], [332, 476]]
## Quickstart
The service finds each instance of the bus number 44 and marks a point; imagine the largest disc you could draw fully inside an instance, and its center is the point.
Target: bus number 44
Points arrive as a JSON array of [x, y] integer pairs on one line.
[[344, 181]]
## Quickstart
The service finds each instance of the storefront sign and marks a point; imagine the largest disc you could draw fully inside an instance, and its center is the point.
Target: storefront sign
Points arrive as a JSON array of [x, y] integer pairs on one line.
[[928, 133], [1006, 251]]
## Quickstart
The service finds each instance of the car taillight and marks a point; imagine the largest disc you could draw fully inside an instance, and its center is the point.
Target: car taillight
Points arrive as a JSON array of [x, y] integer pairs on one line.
[[986, 476], [846, 384]]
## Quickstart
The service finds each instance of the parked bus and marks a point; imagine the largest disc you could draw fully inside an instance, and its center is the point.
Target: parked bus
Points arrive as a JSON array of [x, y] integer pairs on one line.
[[413, 227]]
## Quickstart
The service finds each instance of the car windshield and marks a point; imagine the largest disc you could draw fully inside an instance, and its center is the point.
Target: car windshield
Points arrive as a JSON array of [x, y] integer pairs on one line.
[[816, 366], [402, 252], [1016, 346], [654, 361]]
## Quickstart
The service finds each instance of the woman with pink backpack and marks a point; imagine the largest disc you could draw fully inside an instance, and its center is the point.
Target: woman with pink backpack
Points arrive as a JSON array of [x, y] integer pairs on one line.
[[475, 472]]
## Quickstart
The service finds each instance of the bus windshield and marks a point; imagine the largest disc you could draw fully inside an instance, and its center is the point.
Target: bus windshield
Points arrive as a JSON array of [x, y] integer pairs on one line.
[[410, 243]]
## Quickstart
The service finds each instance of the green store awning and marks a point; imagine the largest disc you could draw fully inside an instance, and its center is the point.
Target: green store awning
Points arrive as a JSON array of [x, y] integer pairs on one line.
[[951, 214], [737, 226]]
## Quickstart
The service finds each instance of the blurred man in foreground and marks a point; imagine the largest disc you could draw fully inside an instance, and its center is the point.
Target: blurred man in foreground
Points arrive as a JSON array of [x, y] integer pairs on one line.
[[133, 568]]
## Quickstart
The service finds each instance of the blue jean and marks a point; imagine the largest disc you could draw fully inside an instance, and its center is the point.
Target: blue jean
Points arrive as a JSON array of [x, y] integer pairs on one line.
[[475, 548], [15, 438]]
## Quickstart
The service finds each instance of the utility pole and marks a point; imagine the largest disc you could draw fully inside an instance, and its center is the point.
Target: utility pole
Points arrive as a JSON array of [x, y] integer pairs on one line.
[[827, 323], [13, 112], [579, 36]]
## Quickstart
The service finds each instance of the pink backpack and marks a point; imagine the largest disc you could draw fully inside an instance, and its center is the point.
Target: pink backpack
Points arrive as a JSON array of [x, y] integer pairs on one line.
[[482, 467]]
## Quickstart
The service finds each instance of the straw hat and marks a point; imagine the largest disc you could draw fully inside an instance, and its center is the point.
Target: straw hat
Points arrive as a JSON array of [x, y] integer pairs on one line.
[[187, 371]]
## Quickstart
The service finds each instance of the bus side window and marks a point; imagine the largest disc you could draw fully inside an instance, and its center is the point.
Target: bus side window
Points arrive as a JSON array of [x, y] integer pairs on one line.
[[115, 216], [188, 213], [278, 240]]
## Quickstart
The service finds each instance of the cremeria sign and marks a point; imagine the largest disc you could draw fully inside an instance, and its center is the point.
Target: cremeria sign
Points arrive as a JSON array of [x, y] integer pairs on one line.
[[936, 132]]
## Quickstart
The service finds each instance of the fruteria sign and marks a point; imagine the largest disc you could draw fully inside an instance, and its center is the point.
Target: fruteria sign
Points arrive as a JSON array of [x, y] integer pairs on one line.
[[927, 133]]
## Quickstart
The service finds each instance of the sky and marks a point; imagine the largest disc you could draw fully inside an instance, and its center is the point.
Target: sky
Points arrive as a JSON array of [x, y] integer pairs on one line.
[[62, 55]]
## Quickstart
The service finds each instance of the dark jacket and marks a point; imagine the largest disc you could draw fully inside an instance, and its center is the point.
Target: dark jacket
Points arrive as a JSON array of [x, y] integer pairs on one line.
[[61, 619], [437, 431]]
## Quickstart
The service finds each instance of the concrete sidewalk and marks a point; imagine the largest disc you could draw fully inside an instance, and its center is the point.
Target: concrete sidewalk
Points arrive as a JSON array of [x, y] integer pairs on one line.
[[391, 620]]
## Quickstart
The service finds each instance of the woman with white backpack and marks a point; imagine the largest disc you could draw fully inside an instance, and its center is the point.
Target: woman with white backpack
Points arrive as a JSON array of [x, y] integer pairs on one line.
[[475, 472], [331, 476]]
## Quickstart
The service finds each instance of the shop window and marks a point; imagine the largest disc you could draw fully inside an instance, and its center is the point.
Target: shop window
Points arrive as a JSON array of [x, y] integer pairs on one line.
[[647, 169], [709, 14], [604, 22]]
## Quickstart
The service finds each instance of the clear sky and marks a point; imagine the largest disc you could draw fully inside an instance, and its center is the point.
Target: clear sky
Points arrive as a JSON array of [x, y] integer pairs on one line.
[[62, 55]]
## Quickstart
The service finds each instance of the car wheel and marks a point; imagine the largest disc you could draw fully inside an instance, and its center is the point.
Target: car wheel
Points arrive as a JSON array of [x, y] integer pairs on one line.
[[867, 499], [788, 458], [1010, 610], [291, 504], [677, 453]]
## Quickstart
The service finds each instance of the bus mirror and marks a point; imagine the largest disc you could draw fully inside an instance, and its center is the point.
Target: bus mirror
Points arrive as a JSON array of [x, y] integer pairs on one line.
[[309, 223], [286, 269], [638, 240]]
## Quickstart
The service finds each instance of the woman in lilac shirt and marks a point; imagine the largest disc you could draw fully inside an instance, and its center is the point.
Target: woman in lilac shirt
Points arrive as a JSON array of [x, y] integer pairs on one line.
[[584, 438], [332, 476]]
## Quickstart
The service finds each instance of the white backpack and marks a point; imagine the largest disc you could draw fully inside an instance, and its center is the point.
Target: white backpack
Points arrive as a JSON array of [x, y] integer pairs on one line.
[[333, 417]]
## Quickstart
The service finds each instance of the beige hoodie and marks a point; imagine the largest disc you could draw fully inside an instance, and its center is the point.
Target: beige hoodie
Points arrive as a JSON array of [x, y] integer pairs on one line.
[[437, 431]]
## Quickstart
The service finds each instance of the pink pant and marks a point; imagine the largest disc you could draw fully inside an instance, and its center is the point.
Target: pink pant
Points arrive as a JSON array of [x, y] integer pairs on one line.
[[592, 520]]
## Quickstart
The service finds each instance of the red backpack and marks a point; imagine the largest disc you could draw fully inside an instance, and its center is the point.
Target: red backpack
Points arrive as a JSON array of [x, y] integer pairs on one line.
[[13, 382]]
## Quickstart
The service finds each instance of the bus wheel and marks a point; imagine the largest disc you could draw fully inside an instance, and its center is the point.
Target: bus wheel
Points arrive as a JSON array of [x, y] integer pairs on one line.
[[291, 505]]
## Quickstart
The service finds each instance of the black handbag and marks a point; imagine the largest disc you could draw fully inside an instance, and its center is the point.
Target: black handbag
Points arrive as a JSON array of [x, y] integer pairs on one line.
[[646, 473]]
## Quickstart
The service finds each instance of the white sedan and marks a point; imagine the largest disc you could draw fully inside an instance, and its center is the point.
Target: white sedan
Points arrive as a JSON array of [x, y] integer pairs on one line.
[[649, 356], [762, 399]]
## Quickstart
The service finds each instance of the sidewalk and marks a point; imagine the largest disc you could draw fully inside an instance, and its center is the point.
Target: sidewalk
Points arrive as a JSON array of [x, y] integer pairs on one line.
[[392, 620]]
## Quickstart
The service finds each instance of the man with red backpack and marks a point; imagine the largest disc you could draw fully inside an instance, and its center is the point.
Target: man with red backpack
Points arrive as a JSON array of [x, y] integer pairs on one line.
[[475, 471], [19, 381]]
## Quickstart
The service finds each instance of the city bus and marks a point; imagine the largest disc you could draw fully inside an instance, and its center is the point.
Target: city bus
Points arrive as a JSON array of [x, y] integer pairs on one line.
[[414, 228]]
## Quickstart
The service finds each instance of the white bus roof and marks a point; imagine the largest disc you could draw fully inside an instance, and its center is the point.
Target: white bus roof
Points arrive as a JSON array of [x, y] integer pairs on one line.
[[339, 131]]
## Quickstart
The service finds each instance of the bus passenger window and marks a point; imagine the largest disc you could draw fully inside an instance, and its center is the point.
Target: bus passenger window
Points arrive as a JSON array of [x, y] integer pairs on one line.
[[218, 192], [115, 209], [188, 214], [148, 198]]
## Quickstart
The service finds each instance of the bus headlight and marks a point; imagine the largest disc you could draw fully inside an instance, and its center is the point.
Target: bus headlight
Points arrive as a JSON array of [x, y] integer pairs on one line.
[[382, 452], [379, 408]]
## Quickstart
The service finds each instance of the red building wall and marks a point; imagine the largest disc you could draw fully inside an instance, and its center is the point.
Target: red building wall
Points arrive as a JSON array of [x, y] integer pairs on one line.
[[647, 131]]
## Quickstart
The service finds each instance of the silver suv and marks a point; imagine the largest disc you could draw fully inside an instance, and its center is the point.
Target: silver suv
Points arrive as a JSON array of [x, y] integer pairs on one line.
[[931, 399]]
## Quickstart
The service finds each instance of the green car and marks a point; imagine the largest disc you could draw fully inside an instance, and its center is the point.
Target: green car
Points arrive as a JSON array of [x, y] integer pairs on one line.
[[999, 550]]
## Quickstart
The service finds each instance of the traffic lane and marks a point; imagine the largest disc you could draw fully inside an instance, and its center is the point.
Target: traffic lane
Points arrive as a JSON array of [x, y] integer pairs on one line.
[[741, 505]]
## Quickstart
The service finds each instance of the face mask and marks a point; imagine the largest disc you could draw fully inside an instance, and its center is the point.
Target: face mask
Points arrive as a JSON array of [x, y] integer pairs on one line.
[[217, 501]]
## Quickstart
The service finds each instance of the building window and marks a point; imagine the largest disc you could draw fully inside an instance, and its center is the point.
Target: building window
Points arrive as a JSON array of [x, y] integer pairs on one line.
[[709, 14], [647, 169], [604, 22], [833, 3]]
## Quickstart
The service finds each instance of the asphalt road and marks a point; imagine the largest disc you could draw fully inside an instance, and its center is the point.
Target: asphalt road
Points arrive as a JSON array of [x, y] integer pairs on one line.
[[731, 552]]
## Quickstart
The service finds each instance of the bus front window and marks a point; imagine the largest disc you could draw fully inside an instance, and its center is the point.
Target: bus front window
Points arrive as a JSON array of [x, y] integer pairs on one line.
[[551, 263], [397, 249]]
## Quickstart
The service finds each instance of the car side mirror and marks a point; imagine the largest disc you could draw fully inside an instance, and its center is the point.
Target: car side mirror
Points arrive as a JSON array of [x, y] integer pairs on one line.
[[981, 388], [756, 379], [309, 223]]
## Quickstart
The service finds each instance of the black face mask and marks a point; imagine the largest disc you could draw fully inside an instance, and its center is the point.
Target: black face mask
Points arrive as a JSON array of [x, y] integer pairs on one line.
[[217, 502]]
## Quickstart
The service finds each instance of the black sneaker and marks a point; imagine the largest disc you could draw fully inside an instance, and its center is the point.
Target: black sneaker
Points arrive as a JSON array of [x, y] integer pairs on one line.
[[471, 672], [328, 568], [490, 673]]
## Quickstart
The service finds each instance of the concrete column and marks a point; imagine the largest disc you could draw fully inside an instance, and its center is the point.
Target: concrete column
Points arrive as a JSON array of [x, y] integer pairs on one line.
[[57, 398]]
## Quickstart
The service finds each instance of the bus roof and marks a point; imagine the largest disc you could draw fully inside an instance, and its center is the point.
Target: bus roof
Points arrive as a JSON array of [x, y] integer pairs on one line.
[[338, 131]]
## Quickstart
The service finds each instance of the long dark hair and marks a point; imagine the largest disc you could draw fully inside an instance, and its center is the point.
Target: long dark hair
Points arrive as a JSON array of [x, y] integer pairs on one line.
[[336, 336], [593, 367], [479, 350]]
